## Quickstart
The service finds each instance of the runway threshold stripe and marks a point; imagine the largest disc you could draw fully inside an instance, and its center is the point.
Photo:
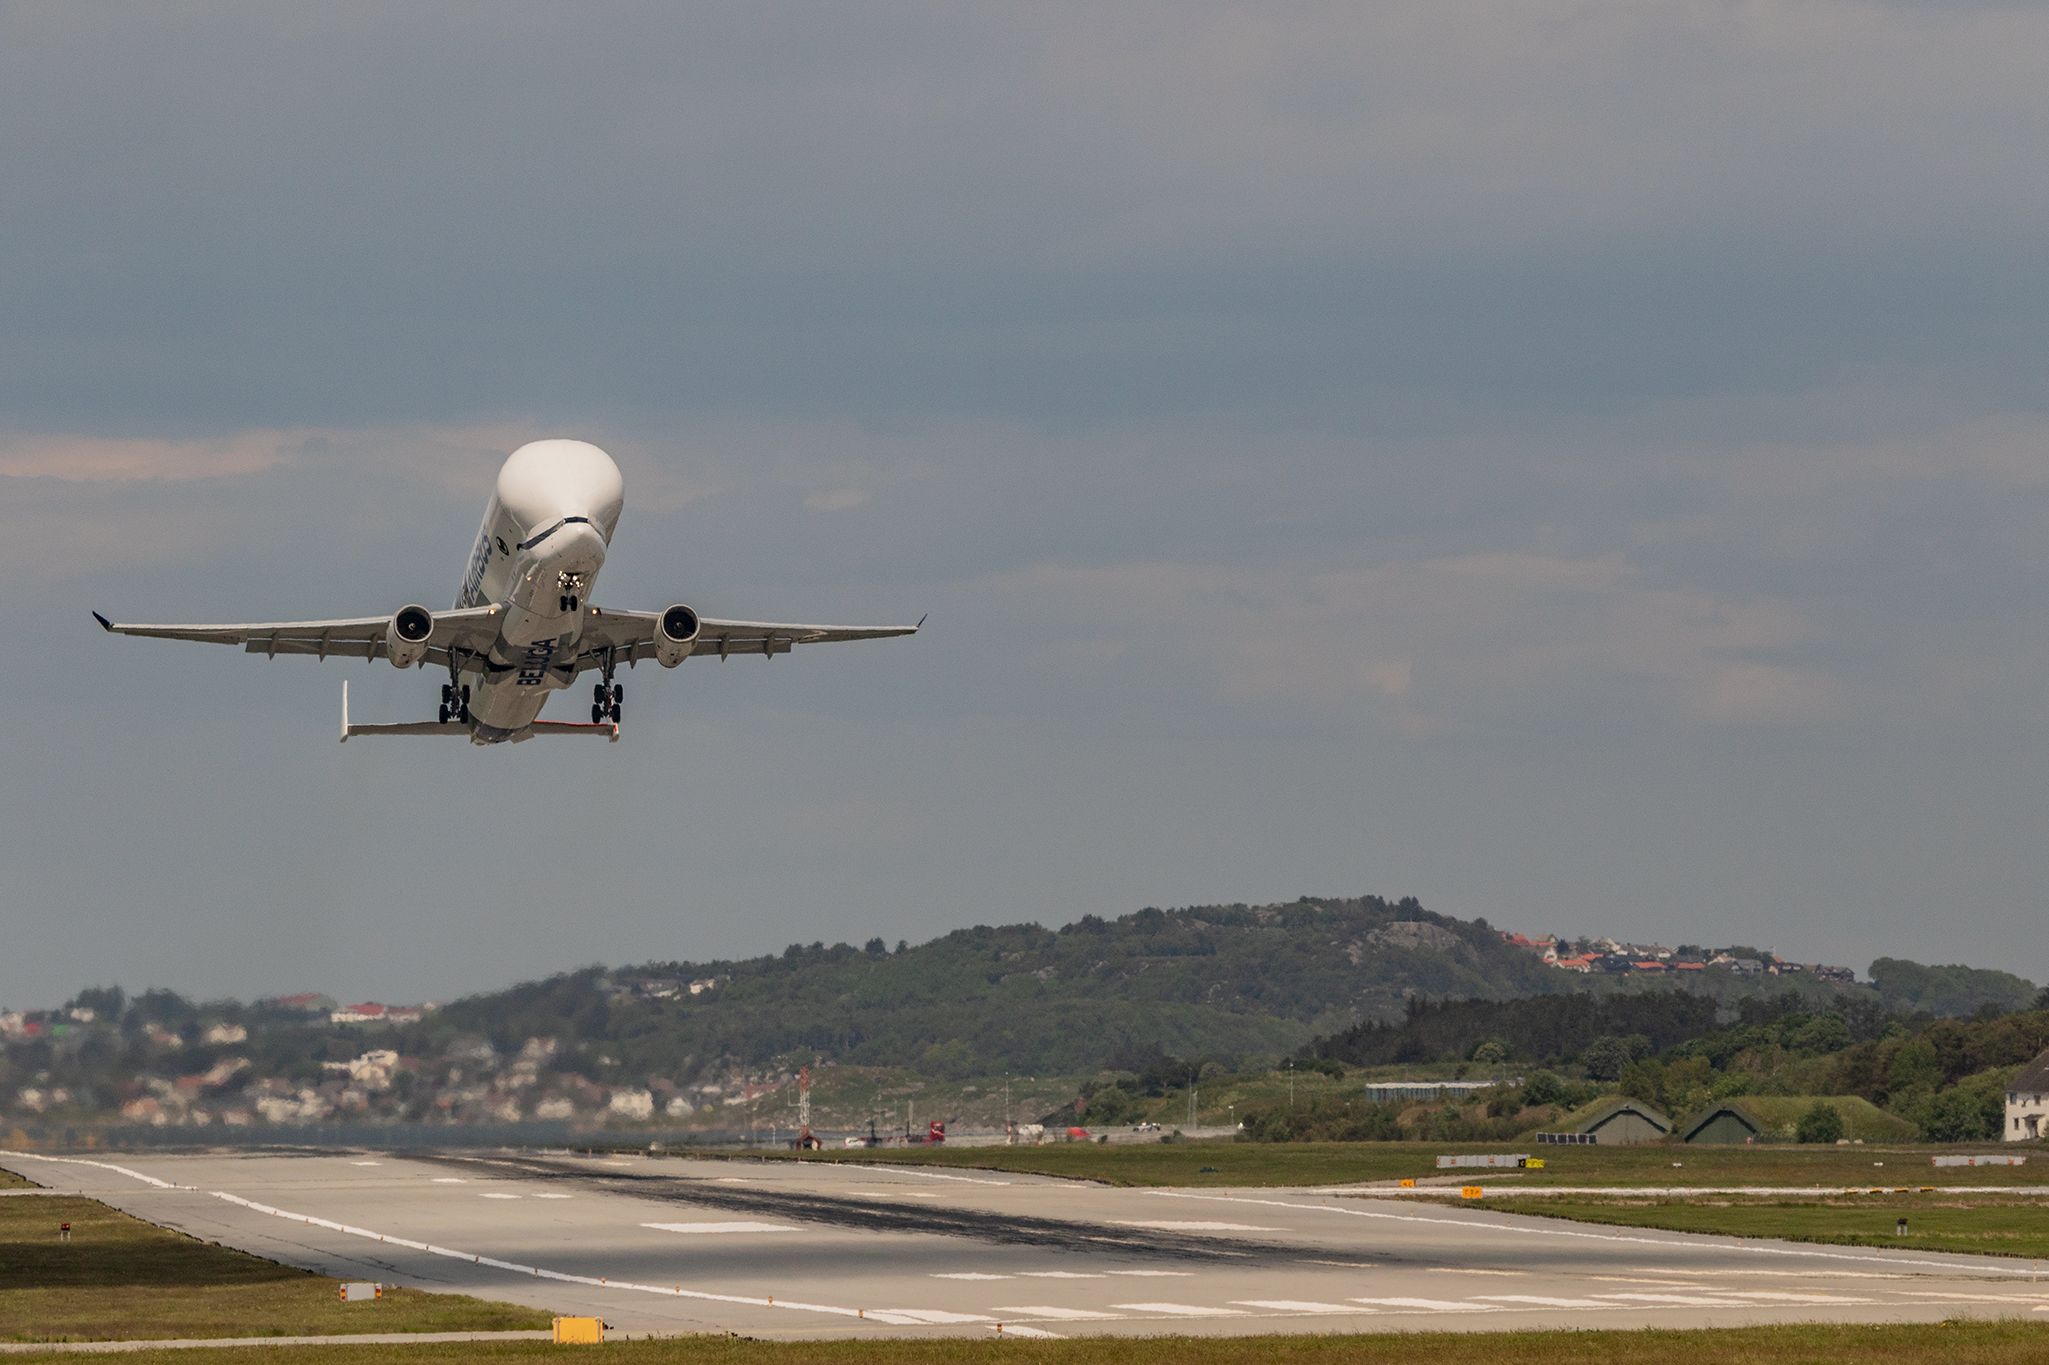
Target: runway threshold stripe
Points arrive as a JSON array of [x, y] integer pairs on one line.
[[968, 1275], [1544, 1301], [1047, 1310], [1181, 1310], [1434, 1305], [1299, 1306], [1041, 1333]]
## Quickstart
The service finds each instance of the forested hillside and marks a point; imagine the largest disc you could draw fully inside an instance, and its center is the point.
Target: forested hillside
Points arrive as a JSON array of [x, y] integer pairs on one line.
[[1219, 982]]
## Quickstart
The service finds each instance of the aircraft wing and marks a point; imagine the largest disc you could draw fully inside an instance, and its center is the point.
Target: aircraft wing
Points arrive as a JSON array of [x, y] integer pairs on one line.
[[457, 634], [630, 636]]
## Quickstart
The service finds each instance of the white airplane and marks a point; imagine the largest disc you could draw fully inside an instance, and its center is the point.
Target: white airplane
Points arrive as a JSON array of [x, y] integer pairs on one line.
[[523, 626]]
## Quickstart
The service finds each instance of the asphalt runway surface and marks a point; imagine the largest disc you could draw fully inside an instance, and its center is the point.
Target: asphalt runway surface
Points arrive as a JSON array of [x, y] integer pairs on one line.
[[780, 1250]]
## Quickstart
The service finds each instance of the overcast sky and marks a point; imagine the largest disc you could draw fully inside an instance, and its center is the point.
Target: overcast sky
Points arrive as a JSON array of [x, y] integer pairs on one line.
[[1579, 464]]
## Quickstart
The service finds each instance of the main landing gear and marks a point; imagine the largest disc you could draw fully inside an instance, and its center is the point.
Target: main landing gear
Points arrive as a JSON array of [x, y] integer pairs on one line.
[[455, 703], [605, 699]]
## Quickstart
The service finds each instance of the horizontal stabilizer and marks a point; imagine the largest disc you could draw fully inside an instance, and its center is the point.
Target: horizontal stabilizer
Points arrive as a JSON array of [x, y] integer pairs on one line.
[[605, 729]]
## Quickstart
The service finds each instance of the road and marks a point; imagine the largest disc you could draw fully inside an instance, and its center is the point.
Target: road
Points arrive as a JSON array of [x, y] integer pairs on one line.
[[776, 1249]]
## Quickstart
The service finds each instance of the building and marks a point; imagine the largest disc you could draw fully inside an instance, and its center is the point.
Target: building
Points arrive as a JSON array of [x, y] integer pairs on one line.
[[1391, 1092], [1624, 1122], [1727, 1124], [2027, 1102]]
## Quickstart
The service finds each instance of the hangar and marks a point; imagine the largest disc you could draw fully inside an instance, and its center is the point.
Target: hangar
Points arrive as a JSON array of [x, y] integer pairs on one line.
[[1623, 1122], [1727, 1123]]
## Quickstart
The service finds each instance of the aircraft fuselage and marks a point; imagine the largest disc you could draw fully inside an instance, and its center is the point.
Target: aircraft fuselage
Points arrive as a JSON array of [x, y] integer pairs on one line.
[[537, 556]]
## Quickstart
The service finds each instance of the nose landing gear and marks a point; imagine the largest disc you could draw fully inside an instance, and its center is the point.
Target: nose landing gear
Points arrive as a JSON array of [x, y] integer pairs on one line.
[[455, 703], [605, 700]]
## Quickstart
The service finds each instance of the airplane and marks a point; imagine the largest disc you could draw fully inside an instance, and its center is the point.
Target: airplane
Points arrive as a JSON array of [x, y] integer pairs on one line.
[[523, 625]]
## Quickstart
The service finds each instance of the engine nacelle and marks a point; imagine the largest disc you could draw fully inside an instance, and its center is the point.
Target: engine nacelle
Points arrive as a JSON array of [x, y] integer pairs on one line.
[[676, 636], [405, 639]]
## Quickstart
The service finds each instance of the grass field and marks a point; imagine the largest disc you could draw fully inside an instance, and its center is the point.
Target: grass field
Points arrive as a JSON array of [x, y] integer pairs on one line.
[[1992, 1343], [1335, 1163], [1985, 1225], [121, 1278], [10, 1181]]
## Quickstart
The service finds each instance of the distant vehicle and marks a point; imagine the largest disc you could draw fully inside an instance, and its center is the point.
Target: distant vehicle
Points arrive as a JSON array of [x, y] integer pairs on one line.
[[1078, 1135], [856, 1140], [523, 625], [935, 1132], [1147, 1127]]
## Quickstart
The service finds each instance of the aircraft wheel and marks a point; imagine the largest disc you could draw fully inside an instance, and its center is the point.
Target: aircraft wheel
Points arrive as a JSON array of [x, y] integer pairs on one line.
[[599, 695], [465, 698], [442, 714], [597, 715], [618, 693]]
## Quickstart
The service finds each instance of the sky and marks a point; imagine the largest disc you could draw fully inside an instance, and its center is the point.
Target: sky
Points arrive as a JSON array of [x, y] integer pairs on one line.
[[1578, 464]]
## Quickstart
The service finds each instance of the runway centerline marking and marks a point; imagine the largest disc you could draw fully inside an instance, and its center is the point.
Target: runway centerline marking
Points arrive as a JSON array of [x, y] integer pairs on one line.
[[722, 1228], [499, 1194], [968, 1275], [1062, 1274], [1170, 1225]]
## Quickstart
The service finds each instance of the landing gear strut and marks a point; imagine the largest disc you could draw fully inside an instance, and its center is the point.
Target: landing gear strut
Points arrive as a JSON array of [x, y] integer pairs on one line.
[[605, 700], [455, 703]]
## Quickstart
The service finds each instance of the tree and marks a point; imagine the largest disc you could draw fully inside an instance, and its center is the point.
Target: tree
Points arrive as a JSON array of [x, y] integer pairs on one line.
[[1489, 1050], [1543, 1088], [1823, 1123], [1606, 1058]]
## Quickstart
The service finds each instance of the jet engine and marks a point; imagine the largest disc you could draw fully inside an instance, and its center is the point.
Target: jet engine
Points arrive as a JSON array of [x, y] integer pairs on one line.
[[676, 636], [405, 639]]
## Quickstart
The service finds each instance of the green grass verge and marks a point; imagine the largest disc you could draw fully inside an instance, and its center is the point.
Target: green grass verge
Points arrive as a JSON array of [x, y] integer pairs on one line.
[[1984, 1225], [1961, 1343], [119, 1278], [1333, 1163], [10, 1181]]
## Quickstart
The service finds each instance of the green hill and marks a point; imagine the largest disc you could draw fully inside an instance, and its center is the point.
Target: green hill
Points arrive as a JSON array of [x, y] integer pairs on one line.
[[1211, 982]]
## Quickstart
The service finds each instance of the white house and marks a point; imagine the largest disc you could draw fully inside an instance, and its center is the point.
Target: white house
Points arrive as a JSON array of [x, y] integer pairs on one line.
[[2027, 1102]]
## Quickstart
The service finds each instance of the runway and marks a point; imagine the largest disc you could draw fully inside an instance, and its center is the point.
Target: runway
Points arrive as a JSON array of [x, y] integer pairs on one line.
[[777, 1249]]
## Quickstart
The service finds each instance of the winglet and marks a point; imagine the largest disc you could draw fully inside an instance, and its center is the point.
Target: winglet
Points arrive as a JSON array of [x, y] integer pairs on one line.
[[345, 711], [105, 624], [921, 622]]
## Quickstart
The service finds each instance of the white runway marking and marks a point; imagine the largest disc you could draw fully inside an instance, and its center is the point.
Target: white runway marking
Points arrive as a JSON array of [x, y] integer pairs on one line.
[[969, 1275], [1154, 1274], [559, 1276], [1040, 1332], [103, 1165], [722, 1228], [1059, 1275], [498, 1194], [891, 1194], [733, 1180], [1781, 1296], [937, 1316], [1168, 1225], [936, 1175], [1046, 1310], [1434, 1305], [1546, 1301], [450, 1180], [554, 1196], [366, 1163], [1673, 1242], [1298, 1306], [1181, 1310], [1683, 1300], [1463, 1270]]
